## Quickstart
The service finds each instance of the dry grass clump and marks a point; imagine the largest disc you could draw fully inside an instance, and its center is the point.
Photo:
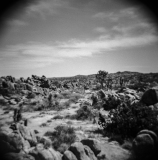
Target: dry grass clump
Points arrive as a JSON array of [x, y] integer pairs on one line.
[[62, 137]]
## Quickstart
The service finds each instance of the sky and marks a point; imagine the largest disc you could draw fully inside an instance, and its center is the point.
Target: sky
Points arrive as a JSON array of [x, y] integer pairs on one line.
[[59, 38]]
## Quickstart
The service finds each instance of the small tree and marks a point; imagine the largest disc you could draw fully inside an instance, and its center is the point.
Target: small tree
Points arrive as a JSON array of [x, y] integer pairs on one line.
[[100, 76]]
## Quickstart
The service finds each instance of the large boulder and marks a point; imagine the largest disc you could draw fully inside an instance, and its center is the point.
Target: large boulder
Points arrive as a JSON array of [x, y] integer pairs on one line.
[[68, 155], [10, 142], [29, 87], [57, 155], [17, 138], [17, 156], [145, 144], [150, 97], [77, 149], [93, 144], [89, 153]]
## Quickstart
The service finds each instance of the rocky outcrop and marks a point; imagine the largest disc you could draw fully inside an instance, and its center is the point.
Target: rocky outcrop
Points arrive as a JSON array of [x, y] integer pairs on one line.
[[19, 143], [20, 138], [41, 153]]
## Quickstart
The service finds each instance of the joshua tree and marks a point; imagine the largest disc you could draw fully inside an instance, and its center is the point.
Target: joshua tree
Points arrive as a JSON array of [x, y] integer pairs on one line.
[[121, 81], [100, 76], [17, 113]]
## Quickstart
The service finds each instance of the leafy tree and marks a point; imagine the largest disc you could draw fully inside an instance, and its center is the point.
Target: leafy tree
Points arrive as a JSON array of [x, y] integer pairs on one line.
[[100, 76]]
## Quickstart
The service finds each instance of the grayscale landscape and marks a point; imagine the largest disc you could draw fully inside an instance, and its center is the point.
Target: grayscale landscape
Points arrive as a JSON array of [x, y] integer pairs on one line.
[[78, 80]]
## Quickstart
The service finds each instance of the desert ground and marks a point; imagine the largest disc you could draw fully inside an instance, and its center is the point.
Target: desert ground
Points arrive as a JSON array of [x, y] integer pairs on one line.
[[71, 116]]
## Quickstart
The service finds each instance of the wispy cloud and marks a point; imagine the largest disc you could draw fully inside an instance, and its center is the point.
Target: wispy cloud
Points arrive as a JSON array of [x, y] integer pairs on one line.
[[39, 55], [100, 30], [116, 15], [16, 22], [45, 8]]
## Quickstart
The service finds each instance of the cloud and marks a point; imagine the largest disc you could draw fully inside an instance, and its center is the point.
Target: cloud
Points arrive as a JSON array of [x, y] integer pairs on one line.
[[102, 15], [129, 13], [16, 22], [35, 55], [100, 30], [45, 8], [136, 29]]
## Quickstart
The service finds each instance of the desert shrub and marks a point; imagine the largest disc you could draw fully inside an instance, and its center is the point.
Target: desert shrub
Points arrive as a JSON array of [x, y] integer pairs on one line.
[[51, 103], [69, 123], [34, 102], [57, 117], [110, 103], [62, 137], [74, 116], [3, 102], [43, 125], [75, 96], [127, 120], [66, 104], [117, 138], [49, 121], [63, 147], [31, 95], [32, 107], [59, 96], [84, 113], [66, 94]]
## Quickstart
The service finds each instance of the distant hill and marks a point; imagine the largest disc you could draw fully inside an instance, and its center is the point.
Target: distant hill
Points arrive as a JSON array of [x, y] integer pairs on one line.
[[117, 74]]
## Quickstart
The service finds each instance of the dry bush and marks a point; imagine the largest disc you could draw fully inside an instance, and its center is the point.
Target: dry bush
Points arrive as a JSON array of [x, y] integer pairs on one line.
[[62, 137], [84, 113], [31, 95], [127, 120]]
